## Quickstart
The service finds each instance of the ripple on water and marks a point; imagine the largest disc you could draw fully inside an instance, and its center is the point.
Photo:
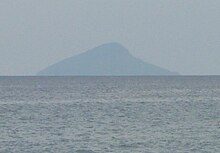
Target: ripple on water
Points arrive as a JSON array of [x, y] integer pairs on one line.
[[148, 114]]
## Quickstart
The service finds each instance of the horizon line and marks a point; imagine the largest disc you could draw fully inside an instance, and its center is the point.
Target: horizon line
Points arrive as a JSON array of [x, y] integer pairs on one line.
[[181, 75]]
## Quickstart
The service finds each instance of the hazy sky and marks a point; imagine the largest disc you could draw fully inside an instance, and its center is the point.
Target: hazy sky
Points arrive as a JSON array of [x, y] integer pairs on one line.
[[181, 35]]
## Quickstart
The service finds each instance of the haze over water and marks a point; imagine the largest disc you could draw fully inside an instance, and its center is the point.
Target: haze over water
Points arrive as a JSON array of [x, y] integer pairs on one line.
[[109, 114]]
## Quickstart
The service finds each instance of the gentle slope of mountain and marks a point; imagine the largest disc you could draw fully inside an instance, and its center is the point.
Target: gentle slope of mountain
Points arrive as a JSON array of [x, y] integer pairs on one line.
[[110, 59]]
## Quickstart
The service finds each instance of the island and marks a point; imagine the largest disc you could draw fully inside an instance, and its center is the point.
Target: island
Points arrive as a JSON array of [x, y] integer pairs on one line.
[[110, 59]]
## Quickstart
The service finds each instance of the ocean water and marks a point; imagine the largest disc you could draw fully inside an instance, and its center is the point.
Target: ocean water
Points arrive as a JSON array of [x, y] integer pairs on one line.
[[110, 114]]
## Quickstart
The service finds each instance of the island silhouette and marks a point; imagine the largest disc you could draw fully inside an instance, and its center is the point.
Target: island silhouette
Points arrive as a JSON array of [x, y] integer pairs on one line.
[[110, 59]]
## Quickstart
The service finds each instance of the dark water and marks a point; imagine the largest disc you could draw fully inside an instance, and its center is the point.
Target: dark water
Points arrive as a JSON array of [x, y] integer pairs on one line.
[[109, 114]]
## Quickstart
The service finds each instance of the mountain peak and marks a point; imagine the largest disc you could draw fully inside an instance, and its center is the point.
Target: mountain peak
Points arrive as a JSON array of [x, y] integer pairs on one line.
[[112, 44], [110, 48]]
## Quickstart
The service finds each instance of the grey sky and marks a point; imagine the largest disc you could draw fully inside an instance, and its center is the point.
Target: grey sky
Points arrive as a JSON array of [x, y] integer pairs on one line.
[[180, 35]]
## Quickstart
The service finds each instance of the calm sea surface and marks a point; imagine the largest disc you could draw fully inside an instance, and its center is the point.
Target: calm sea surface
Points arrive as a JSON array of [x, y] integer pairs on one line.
[[110, 114]]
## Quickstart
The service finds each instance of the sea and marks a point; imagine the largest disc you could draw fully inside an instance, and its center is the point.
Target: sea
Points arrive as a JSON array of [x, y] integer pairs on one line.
[[144, 114]]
